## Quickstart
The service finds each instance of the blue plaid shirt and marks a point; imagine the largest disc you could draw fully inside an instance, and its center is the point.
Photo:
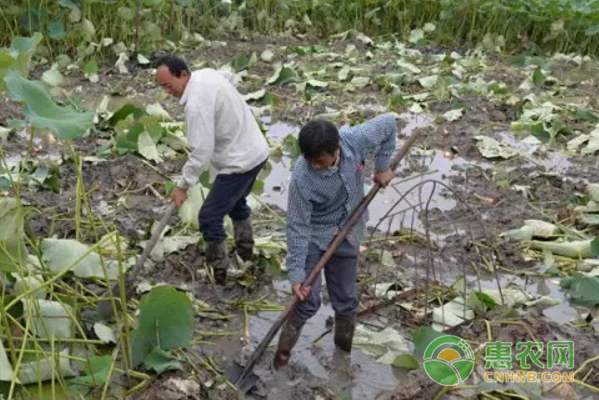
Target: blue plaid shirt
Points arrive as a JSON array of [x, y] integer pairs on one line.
[[320, 202]]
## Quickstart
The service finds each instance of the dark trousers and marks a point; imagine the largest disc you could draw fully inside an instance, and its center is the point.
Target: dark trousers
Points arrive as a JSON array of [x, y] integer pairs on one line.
[[340, 273], [228, 196]]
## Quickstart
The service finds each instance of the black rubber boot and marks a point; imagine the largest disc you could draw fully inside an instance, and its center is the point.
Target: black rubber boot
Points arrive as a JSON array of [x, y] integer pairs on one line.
[[244, 239], [345, 326], [289, 335], [217, 257]]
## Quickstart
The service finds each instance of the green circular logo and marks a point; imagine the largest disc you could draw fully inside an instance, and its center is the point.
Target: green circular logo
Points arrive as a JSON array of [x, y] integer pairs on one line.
[[448, 360]]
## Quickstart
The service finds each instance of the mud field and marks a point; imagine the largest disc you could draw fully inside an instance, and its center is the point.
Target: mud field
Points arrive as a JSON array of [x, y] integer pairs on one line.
[[446, 190]]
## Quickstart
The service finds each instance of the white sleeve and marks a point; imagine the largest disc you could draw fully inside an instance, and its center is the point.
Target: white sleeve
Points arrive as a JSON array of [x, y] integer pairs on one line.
[[200, 124]]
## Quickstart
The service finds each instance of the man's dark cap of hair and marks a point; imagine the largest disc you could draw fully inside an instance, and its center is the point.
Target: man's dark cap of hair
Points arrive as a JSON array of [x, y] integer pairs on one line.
[[174, 64], [318, 137]]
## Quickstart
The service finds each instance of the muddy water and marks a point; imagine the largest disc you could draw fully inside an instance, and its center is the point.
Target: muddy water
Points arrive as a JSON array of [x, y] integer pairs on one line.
[[562, 313], [315, 364], [552, 160]]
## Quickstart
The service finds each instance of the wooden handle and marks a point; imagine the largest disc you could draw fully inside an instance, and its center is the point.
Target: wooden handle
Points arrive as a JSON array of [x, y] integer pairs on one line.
[[104, 306], [154, 238]]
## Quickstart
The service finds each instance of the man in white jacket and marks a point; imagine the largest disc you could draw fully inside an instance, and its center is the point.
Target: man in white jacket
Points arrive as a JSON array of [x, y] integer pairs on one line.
[[222, 132]]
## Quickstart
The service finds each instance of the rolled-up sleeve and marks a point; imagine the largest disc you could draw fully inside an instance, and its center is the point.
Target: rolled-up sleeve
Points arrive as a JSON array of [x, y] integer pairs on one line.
[[299, 232], [200, 125]]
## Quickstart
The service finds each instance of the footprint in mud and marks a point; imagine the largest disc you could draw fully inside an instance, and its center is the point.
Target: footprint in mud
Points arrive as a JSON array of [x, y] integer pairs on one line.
[[340, 373], [298, 380], [281, 387], [316, 368]]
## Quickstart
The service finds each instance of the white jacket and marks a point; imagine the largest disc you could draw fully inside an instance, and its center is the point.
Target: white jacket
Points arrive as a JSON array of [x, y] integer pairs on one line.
[[221, 128]]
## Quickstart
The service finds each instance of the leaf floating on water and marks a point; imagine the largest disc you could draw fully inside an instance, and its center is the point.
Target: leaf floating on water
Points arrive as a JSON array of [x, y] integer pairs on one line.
[[422, 338], [385, 345], [451, 314], [486, 300], [543, 301], [491, 148], [512, 296], [583, 290], [405, 361]]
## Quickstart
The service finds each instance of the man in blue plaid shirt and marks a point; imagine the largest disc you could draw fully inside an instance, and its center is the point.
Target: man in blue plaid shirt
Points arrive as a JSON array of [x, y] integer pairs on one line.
[[327, 184]]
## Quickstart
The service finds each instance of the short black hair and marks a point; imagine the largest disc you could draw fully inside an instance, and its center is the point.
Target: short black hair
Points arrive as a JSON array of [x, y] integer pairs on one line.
[[175, 64], [317, 137]]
